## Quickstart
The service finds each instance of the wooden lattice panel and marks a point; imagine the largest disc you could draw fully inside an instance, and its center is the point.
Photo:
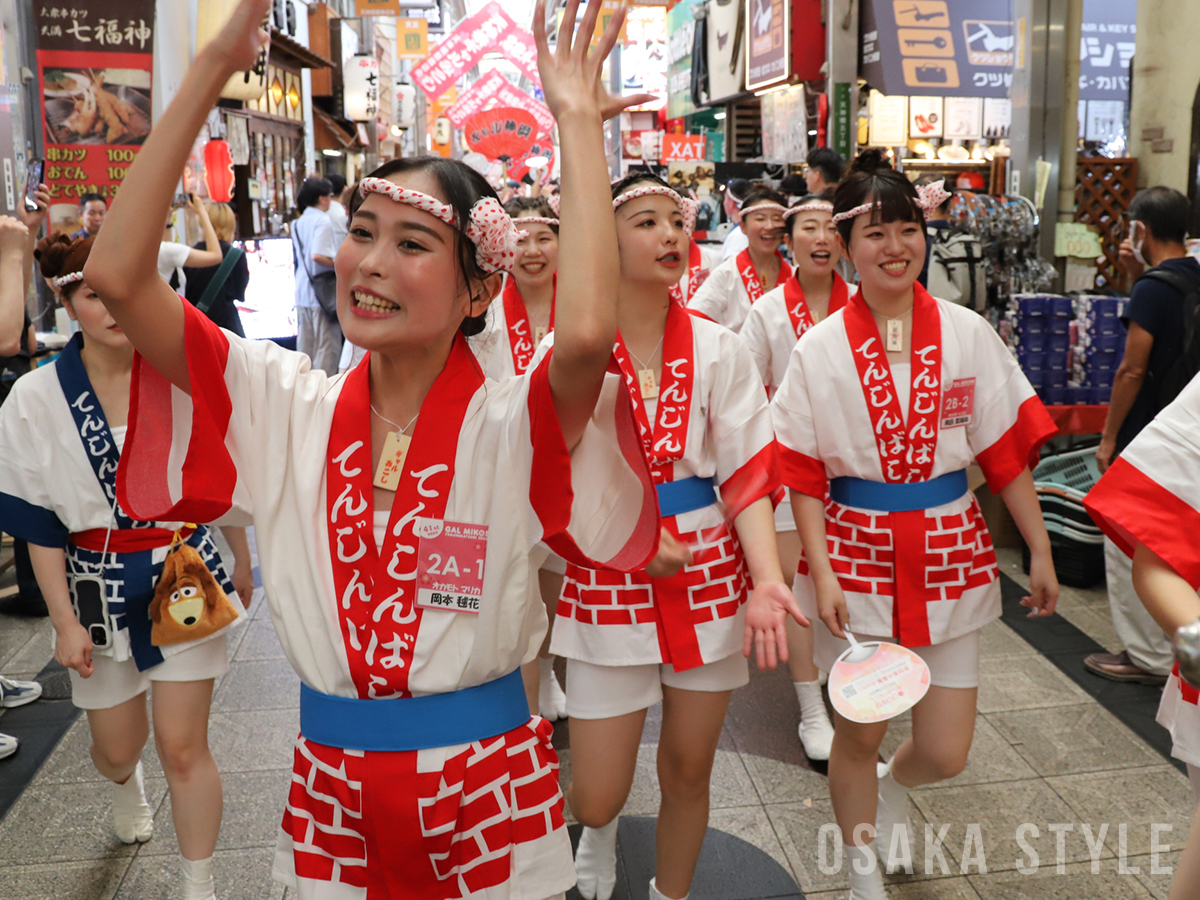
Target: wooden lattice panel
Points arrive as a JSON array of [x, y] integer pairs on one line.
[[1104, 188]]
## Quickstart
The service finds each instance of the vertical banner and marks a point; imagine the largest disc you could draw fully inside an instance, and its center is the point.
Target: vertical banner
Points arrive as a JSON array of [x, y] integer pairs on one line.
[[461, 49], [412, 39], [842, 118], [94, 62], [768, 53]]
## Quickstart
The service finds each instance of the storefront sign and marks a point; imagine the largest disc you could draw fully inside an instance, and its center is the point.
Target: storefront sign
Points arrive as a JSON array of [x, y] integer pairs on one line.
[[463, 47], [889, 120], [925, 117], [681, 27], [841, 119], [412, 39], [1106, 48], [682, 148], [962, 118], [767, 42], [726, 50], [939, 48], [94, 64], [360, 78], [377, 7]]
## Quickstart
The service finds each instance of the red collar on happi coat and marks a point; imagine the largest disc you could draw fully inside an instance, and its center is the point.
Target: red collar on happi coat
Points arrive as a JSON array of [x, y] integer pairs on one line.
[[516, 317], [749, 275], [797, 306], [695, 264], [666, 441], [376, 591]]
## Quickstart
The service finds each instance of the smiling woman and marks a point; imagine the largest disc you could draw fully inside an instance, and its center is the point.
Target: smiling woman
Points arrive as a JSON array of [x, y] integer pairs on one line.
[[415, 490]]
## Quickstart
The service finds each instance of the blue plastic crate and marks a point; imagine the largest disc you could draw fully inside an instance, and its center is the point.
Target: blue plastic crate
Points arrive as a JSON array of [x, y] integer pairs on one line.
[[1058, 343], [1032, 306], [1058, 324], [1033, 343], [1059, 306]]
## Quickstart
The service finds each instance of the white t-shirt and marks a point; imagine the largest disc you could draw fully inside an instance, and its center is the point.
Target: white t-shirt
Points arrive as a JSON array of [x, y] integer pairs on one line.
[[735, 242], [314, 232], [340, 221], [171, 258]]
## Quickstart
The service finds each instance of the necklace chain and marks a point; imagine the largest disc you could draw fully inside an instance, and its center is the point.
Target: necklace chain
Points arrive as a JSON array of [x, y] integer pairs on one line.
[[891, 318], [395, 425], [637, 360]]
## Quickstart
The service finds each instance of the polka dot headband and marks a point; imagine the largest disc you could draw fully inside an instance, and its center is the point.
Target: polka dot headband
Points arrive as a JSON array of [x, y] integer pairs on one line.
[[687, 205], [490, 228], [929, 197], [765, 206], [536, 220], [814, 205], [71, 278]]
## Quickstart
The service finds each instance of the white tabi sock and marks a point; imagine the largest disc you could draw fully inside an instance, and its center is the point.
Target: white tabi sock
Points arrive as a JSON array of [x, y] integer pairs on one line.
[[867, 886], [596, 861], [197, 879], [816, 731], [656, 894], [133, 820], [891, 812], [552, 702]]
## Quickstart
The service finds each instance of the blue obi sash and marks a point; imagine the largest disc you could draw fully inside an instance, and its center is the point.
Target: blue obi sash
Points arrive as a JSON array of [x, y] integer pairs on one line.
[[415, 723], [685, 495], [884, 497]]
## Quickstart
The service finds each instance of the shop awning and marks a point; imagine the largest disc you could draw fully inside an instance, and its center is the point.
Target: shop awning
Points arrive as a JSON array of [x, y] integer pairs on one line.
[[291, 54], [328, 134]]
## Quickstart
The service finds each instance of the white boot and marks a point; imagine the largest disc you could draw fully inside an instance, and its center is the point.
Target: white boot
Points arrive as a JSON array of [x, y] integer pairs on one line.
[[133, 820], [596, 861], [197, 879], [868, 886], [816, 731], [891, 812], [552, 701], [656, 894]]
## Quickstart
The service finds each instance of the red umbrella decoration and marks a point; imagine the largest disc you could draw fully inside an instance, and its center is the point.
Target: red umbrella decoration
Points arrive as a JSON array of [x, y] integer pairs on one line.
[[543, 147], [503, 132], [218, 171]]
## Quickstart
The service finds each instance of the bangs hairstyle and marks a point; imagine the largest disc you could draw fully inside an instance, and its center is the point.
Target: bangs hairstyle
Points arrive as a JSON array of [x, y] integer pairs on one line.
[[633, 179], [61, 255], [826, 195], [761, 193], [532, 206], [461, 188], [873, 181]]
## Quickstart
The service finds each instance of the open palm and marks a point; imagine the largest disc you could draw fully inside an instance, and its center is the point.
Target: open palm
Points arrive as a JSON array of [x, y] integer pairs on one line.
[[571, 73]]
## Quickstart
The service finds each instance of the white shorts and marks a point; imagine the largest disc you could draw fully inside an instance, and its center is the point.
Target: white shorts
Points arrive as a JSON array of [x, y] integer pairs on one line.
[[952, 664], [601, 692], [112, 683]]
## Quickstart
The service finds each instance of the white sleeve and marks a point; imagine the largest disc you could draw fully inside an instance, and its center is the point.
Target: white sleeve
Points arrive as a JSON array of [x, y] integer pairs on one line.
[[712, 299], [322, 240], [754, 333], [171, 256]]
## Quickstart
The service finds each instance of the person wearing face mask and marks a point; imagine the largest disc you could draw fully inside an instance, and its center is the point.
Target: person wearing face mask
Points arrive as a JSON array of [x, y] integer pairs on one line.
[[727, 294], [776, 321], [1158, 220], [895, 546]]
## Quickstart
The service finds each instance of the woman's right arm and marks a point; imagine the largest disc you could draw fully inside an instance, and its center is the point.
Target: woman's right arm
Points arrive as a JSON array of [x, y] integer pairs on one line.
[[809, 513], [1167, 596], [123, 265], [72, 645]]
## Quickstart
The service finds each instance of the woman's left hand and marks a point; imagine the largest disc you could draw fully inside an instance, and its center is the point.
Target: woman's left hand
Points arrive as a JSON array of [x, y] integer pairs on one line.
[[766, 613], [243, 583], [33, 220], [1043, 586]]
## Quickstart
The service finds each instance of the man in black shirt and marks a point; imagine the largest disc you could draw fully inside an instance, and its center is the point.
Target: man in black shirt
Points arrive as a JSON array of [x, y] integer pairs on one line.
[[1154, 319]]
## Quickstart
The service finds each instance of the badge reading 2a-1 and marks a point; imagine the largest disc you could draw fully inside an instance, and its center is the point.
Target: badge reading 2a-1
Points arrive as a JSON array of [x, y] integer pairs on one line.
[[926, 43]]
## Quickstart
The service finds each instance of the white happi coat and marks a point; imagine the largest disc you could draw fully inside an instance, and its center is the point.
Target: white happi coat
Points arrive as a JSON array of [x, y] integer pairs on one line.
[[255, 437], [1151, 496], [824, 430], [696, 617], [723, 296]]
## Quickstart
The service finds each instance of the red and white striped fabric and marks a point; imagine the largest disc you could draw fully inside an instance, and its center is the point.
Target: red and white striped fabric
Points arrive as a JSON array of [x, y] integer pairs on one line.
[[696, 617], [824, 430], [1151, 496], [251, 444]]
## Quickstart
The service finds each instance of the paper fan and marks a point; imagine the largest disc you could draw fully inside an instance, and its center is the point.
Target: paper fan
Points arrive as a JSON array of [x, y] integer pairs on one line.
[[502, 132], [543, 147]]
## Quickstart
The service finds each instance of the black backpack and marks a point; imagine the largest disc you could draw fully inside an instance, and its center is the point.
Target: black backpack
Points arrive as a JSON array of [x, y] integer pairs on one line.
[[1176, 378]]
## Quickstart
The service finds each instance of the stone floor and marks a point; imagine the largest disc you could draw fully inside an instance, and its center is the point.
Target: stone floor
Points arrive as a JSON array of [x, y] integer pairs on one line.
[[1045, 753]]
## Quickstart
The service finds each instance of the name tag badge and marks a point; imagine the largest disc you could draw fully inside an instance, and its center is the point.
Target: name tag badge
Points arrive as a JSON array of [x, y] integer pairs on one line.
[[450, 565], [647, 383], [958, 403], [391, 461]]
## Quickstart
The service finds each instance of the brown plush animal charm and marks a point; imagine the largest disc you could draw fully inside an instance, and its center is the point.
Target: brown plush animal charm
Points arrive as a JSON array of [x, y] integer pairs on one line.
[[188, 602]]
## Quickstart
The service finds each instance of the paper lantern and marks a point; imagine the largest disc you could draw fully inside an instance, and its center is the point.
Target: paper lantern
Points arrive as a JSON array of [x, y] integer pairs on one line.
[[543, 147], [218, 171], [360, 82], [503, 132]]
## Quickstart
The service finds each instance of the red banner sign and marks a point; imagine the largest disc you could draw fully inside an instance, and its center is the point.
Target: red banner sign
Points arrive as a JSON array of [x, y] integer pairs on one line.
[[475, 98], [518, 48], [511, 95], [682, 147], [94, 61], [462, 48]]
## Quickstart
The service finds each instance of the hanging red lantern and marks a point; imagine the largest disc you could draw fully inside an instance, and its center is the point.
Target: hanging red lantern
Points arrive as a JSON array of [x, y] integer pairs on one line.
[[218, 171], [503, 131]]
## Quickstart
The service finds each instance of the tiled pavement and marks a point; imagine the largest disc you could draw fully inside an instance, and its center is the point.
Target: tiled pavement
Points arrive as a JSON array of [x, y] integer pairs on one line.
[[1045, 753]]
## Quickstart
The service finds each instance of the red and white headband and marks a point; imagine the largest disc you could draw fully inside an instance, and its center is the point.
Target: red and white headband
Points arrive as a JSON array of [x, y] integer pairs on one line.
[[70, 278], [536, 220], [929, 197], [764, 206], [807, 206], [686, 205], [490, 228]]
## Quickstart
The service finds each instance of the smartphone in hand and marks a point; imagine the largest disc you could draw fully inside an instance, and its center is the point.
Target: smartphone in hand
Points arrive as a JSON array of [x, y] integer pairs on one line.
[[33, 178]]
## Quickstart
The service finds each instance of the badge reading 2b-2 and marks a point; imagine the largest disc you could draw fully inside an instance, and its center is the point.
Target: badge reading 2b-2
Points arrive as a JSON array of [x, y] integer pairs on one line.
[[926, 43], [450, 565]]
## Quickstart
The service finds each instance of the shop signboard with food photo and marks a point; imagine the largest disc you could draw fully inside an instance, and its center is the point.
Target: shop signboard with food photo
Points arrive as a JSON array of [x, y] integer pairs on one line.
[[94, 61]]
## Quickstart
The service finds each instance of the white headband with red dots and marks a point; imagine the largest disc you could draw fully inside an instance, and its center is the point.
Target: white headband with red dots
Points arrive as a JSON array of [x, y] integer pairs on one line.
[[929, 197], [687, 205], [807, 206], [490, 228], [71, 278]]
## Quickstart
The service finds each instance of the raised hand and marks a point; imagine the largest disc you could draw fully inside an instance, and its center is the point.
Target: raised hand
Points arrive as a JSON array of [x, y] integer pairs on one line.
[[33, 220], [571, 74], [237, 45]]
